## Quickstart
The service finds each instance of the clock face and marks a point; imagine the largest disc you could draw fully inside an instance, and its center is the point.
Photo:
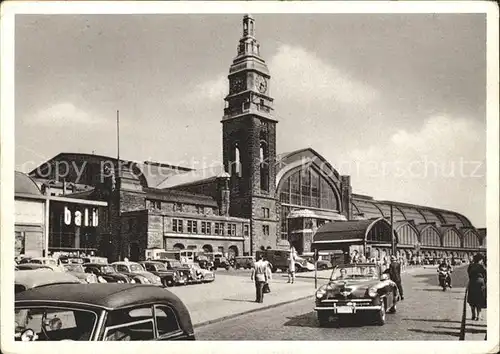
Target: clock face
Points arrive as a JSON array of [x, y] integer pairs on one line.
[[261, 84]]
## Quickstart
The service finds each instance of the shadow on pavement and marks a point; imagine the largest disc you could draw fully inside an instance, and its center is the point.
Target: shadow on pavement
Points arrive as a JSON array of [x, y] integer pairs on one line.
[[432, 289], [310, 320], [446, 320], [239, 300], [304, 320], [467, 329], [448, 333]]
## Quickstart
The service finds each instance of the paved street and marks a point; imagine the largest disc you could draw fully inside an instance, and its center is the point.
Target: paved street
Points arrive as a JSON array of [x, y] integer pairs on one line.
[[427, 313]]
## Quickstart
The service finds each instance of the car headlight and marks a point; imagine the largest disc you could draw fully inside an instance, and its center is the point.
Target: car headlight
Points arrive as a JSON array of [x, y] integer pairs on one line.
[[90, 279], [372, 292], [157, 279], [120, 281], [321, 292], [146, 280], [100, 279], [132, 281]]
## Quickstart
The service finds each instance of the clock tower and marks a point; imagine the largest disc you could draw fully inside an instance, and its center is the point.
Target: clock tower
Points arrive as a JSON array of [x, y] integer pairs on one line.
[[249, 141]]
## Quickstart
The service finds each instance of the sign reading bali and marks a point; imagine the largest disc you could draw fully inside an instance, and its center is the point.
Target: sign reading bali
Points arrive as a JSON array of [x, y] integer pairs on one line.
[[81, 219]]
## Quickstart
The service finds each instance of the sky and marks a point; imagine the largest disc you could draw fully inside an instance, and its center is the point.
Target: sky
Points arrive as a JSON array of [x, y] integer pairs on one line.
[[396, 101]]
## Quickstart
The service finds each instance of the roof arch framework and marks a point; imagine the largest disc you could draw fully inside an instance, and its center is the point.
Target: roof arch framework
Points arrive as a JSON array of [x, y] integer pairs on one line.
[[407, 233], [451, 237], [471, 238], [430, 236]]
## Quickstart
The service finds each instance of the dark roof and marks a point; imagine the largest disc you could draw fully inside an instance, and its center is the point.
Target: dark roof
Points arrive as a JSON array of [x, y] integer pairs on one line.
[[25, 185], [108, 296], [342, 230], [171, 195]]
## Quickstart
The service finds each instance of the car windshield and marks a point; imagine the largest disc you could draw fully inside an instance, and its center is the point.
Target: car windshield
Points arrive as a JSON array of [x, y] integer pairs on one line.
[[108, 269], [134, 267], [355, 272], [49, 323], [175, 264], [76, 268]]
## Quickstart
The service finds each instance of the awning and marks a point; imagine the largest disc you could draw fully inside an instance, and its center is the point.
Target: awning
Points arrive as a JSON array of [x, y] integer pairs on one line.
[[342, 231]]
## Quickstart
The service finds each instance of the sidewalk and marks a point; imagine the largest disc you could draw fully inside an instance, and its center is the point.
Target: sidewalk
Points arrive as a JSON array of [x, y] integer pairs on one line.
[[231, 296]]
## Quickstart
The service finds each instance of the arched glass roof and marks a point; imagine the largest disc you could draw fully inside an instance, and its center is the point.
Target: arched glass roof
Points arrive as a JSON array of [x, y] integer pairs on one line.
[[25, 185]]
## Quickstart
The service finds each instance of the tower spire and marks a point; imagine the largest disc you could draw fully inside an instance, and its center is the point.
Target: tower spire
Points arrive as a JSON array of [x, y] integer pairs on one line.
[[248, 44]]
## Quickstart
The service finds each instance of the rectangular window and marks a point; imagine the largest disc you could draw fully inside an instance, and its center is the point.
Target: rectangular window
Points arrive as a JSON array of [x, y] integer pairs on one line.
[[217, 228], [209, 228], [295, 189], [265, 213], [246, 230], [177, 225], [233, 229], [192, 226], [229, 229], [284, 222], [203, 227], [265, 230]]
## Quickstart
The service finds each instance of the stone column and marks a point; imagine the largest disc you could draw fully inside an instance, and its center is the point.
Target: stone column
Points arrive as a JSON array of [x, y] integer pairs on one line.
[[346, 196]]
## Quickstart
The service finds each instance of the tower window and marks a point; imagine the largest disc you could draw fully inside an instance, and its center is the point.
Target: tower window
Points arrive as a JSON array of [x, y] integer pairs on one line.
[[236, 165], [264, 167]]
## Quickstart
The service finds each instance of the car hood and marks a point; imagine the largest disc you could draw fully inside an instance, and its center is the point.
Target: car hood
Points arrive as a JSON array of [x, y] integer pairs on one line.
[[79, 275], [355, 288]]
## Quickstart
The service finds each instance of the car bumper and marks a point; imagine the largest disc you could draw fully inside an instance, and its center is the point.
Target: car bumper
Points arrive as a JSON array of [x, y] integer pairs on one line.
[[348, 309]]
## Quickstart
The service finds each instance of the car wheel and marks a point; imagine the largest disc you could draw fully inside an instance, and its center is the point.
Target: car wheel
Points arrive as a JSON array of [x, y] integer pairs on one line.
[[380, 316], [323, 318]]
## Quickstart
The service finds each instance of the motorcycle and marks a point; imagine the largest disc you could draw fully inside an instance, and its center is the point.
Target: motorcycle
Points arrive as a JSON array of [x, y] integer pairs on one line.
[[444, 278]]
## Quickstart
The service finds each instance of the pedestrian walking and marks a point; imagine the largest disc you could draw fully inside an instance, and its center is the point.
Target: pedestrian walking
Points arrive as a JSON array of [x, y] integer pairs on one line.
[[259, 275], [395, 274], [476, 292], [291, 265]]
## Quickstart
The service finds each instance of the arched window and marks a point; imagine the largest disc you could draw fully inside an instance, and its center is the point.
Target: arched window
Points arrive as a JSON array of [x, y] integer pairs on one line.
[[407, 235], [264, 166], [430, 237], [308, 188], [236, 168], [178, 246], [451, 238], [471, 240]]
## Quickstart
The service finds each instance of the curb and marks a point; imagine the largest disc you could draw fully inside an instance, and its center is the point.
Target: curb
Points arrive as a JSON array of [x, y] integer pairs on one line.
[[234, 315]]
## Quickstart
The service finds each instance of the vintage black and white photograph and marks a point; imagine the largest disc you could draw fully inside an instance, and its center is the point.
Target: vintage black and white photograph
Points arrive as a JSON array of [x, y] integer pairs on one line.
[[243, 174]]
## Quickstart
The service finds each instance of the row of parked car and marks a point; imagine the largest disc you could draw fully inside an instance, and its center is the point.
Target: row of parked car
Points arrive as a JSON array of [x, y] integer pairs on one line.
[[166, 272]]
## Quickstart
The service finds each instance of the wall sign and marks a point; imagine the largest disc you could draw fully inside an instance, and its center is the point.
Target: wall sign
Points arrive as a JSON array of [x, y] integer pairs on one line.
[[87, 217]]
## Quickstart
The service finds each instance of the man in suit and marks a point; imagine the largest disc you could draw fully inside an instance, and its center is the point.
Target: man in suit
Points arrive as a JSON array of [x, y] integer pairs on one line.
[[395, 274], [259, 273]]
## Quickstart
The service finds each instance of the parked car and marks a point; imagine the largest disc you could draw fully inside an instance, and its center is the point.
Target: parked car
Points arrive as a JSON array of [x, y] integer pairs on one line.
[[137, 272], [279, 260], [175, 265], [28, 279], [358, 288], [79, 271], [203, 275], [205, 262], [169, 277], [321, 264], [245, 262], [41, 260], [221, 262], [101, 312], [94, 259], [32, 266], [107, 272]]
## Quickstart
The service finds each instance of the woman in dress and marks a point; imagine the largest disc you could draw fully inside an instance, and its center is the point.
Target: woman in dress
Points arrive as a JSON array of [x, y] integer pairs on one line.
[[476, 296]]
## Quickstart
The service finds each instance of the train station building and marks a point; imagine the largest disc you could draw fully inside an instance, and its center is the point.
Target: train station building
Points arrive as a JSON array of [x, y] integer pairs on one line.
[[256, 199]]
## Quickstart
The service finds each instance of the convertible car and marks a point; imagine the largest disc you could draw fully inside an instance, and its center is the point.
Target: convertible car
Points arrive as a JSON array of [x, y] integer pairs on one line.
[[359, 288], [101, 312]]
